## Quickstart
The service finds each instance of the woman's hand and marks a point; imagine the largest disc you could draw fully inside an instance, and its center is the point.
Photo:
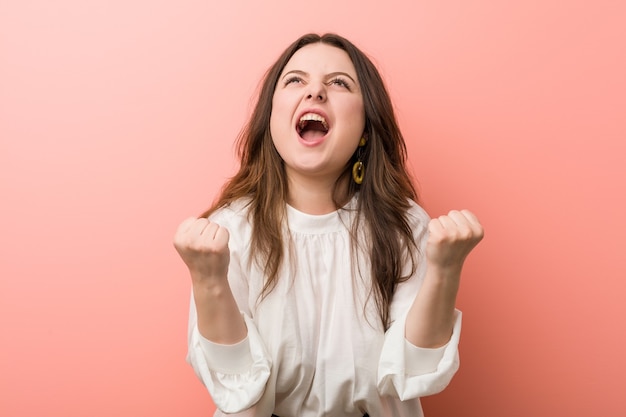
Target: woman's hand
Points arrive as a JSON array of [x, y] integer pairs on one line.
[[431, 318], [451, 239], [203, 246]]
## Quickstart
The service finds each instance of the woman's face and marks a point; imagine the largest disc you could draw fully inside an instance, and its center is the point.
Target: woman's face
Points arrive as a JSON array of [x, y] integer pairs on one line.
[[317, 116]]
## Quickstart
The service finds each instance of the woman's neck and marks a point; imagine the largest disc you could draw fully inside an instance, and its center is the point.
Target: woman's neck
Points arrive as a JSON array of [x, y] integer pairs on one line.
[[313, 196]]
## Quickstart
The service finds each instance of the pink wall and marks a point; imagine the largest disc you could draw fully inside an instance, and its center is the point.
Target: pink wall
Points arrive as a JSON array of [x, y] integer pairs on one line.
[[117, 120]]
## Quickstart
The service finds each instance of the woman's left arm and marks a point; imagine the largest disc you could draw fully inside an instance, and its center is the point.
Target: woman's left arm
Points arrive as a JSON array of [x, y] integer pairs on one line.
[[431, 317]]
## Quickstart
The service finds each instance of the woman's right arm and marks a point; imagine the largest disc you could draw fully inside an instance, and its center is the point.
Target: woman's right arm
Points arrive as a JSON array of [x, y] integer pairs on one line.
[[225, 348], [203, 246]]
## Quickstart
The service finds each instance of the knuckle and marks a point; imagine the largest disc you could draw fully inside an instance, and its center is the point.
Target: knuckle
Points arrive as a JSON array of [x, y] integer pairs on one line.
[[465, 233]]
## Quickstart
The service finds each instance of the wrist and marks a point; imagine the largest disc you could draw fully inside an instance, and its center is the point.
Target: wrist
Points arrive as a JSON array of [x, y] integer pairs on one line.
[[446, 272], [209, 286]]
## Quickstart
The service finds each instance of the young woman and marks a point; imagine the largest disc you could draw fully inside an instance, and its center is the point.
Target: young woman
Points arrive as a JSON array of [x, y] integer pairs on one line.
[[320, 287]]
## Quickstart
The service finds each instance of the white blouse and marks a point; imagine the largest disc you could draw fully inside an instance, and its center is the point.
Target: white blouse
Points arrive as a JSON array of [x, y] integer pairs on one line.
[[315, 346]]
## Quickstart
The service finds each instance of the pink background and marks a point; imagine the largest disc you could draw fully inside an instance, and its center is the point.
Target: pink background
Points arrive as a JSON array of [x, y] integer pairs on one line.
[[117, 120]]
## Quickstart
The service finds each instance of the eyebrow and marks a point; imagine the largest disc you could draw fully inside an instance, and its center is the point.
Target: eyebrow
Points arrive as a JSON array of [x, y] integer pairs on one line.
[[330, 75]]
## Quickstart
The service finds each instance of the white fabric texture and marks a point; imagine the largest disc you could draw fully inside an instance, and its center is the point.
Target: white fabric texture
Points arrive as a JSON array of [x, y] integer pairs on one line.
[[315, 346]]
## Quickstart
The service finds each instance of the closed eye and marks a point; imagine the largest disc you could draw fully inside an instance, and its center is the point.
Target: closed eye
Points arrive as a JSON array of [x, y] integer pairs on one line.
[[294, 79], [341, 82]]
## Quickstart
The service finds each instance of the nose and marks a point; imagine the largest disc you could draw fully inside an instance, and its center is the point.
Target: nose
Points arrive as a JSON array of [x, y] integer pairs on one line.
[[316, 92]]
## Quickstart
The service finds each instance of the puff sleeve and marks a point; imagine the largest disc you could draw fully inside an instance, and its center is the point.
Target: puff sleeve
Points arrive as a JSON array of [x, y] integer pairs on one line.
[[235, 375], [406, 371]]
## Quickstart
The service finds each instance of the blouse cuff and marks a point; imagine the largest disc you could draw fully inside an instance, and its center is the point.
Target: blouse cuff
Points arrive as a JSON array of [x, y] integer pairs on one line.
[[235, 375], [420, 360], [227, 359], [406, 371]]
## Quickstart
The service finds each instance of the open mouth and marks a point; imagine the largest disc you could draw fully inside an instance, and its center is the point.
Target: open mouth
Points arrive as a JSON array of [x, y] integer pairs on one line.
[[312, 126]]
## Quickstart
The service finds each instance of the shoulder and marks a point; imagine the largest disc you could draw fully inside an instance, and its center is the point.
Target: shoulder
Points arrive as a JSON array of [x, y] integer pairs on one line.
[[233, 216], [418, 218], [416, 213]]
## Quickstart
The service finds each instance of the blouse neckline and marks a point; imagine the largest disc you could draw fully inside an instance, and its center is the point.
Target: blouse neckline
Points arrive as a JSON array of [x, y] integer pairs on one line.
[[334, 221]]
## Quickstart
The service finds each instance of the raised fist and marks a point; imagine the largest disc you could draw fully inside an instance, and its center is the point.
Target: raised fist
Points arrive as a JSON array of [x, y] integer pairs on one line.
[[452, 238], [203, 246]]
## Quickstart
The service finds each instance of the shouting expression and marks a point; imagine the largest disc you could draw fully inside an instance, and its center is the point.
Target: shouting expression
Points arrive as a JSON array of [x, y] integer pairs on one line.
[[317, 115]]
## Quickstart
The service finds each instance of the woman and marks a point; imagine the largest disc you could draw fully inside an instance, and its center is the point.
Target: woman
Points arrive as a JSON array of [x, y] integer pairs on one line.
[[320, 287]]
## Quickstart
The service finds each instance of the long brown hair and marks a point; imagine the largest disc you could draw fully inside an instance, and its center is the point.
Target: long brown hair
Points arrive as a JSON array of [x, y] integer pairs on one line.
[[383, 195]]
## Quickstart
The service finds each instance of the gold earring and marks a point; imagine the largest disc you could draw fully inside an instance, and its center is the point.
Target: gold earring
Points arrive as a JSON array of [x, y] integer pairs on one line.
[[358, 169]]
